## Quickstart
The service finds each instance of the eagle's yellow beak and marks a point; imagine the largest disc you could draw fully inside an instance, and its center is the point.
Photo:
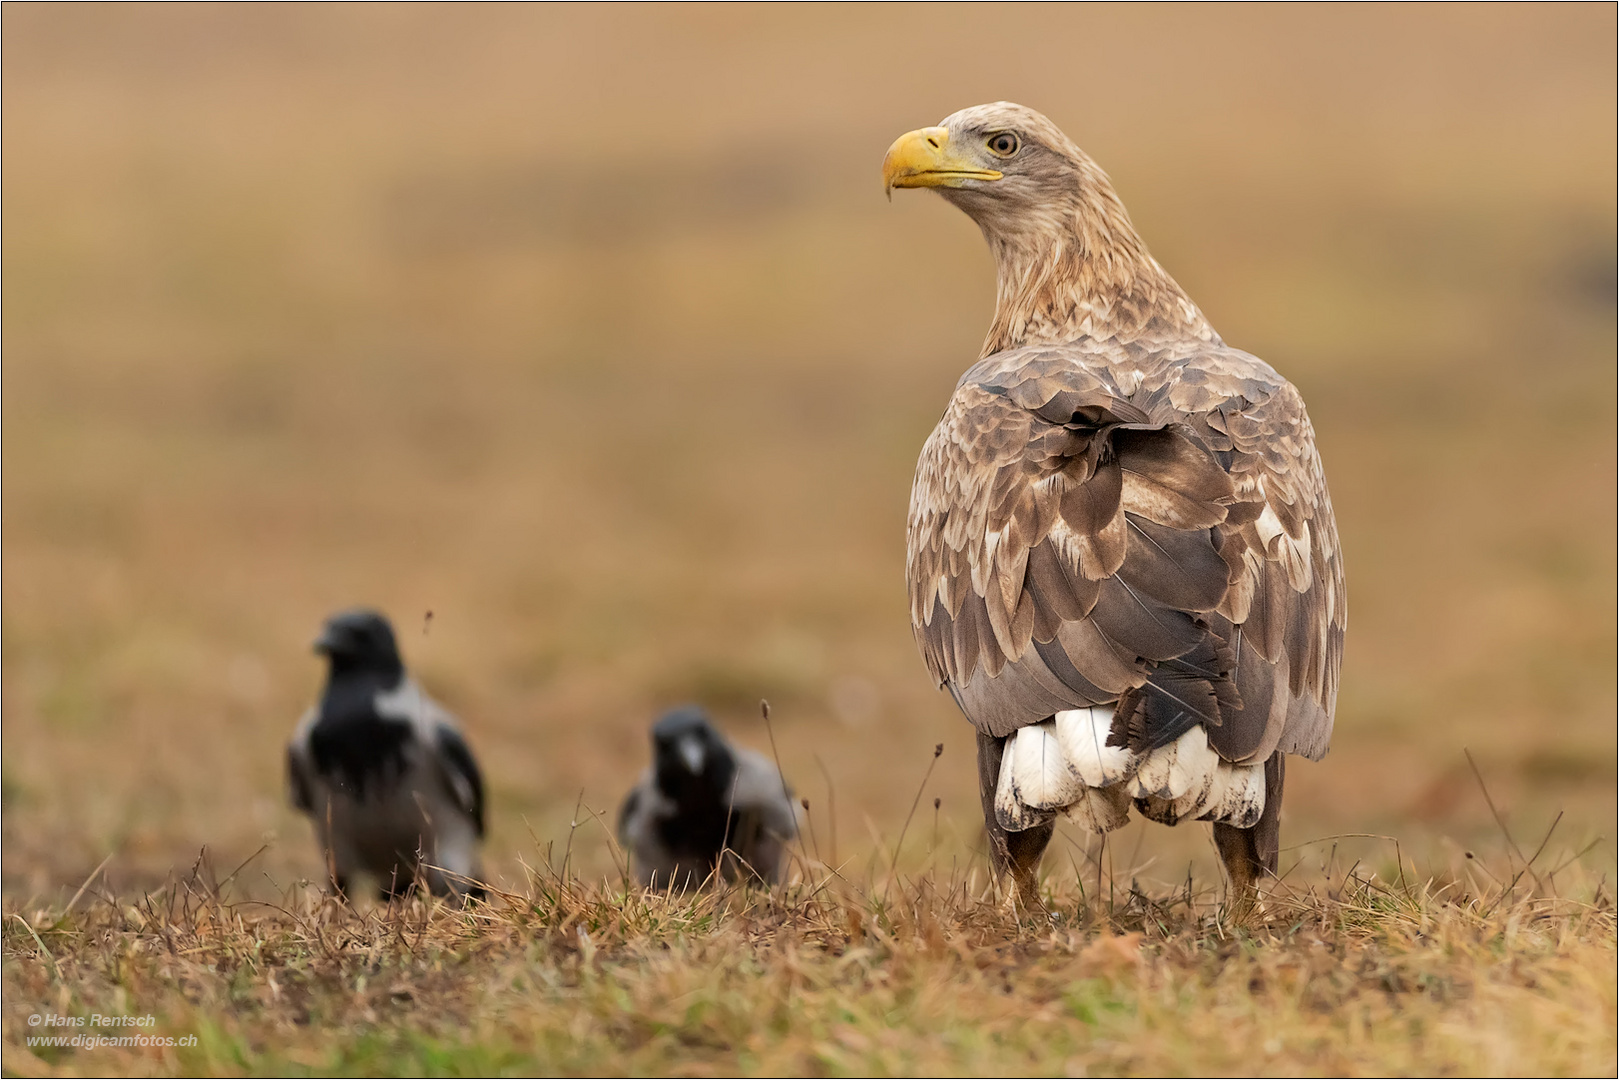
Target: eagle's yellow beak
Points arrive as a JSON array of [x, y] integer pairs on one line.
[[925, 158]]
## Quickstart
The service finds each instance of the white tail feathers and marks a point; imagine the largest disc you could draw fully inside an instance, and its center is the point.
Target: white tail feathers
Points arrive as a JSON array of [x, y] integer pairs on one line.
[[1065, 764], [1168, 771], [1035, 769], [1082, 734], [1034, 776], [1244, 796], [1100, 809]]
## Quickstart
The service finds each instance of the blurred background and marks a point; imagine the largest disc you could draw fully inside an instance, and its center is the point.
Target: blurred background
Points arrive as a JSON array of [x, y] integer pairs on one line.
[[588, 331]]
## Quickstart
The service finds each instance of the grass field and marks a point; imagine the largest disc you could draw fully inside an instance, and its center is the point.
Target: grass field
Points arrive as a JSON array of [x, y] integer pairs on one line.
[[1351, 976], [588, 331]]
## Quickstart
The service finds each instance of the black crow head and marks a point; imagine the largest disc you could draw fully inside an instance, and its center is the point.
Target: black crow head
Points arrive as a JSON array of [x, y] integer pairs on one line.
[[360, 641], [689, 756]]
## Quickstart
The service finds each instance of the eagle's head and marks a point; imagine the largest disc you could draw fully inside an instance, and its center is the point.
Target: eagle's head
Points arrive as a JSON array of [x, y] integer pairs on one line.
[[1069, 263], [1004, 165]]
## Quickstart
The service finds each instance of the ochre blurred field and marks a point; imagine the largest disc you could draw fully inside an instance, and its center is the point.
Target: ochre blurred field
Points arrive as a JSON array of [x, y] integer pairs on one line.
[[588, 331]]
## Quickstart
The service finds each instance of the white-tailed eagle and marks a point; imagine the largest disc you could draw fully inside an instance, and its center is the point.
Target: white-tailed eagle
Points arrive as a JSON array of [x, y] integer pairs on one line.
[[1121, 554]]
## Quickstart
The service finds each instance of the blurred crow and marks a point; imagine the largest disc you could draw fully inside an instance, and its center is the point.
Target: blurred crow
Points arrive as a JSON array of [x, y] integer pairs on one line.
[[704, 806], [383, 772]]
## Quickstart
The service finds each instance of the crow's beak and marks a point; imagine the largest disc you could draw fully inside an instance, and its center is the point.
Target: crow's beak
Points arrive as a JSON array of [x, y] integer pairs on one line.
[[328, 641], [691, 752]]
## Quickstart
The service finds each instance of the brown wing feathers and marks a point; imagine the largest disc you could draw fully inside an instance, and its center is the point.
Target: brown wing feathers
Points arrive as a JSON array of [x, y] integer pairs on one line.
[[1071, 547]]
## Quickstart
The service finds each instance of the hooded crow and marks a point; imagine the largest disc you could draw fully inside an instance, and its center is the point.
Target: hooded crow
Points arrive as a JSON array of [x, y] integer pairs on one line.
[[704, 807], [383, 772]]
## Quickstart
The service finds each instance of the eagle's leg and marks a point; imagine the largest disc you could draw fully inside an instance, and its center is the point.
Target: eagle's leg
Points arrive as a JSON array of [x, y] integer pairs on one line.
[[1250, 855], [1012, 854]]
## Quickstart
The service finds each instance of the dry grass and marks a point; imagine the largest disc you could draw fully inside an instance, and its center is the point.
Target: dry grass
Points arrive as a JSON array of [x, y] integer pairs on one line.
[[588, 330], [1348, 975]]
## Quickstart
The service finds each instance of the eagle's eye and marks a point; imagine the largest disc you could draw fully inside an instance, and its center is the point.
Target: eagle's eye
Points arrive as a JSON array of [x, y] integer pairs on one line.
[[1003, 144]]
